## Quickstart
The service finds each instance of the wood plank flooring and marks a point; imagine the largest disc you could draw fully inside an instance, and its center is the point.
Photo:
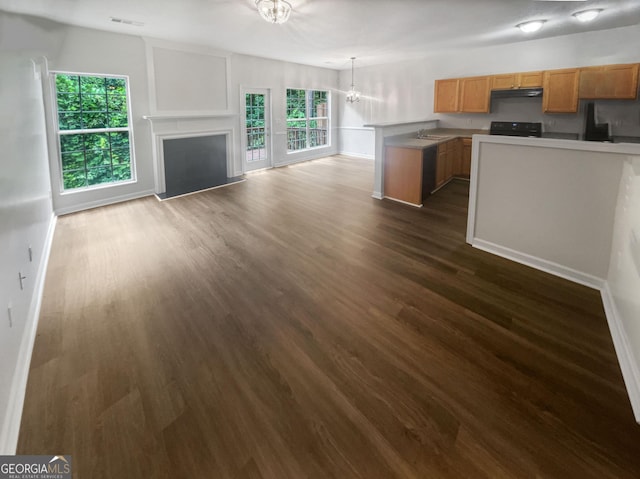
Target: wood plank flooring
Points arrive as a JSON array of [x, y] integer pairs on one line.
[[293, 327]]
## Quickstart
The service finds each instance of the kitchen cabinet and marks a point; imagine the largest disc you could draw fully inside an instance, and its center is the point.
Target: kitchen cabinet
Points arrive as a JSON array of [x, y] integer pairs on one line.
[[403, 174], [449, 161], [441, 165], [516, 80], [409, 173], [462, 95], [446, 95], [560, 91], [448, 166], [612, 82], [474, 94], [466, 157], [457, 157]]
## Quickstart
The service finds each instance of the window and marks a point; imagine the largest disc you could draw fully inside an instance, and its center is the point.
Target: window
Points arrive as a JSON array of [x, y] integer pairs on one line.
[[94, 130], [307, 119]]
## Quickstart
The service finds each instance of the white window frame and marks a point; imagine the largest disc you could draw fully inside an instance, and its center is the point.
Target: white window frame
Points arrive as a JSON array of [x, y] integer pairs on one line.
[[59, 133], [308, 119]]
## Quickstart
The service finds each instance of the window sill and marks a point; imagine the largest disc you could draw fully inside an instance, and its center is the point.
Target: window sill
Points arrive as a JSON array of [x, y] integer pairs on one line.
[[97, 187]]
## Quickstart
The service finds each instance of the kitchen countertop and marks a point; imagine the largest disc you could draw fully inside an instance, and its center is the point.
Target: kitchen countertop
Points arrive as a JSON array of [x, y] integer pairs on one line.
[[412, 141]]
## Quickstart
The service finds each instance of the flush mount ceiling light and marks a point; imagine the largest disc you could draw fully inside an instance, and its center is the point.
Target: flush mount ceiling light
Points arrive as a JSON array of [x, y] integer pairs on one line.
[[530, 27], [587, 15], [274, 11], [353, 95]]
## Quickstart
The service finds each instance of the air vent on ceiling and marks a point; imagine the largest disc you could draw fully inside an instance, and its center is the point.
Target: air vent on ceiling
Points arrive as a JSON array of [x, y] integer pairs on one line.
[[126, 22]]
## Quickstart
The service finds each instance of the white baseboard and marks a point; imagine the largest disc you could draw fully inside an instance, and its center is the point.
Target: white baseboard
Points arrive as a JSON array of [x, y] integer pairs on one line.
[[403, 202], [541, 264], [357, 155], [110, 201], [11, 427], [626, 359], [377, 195]]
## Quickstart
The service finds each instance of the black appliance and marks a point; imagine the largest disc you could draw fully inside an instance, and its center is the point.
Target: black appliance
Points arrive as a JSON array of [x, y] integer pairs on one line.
[[429, 159], [595, 131], [516, 128], [517, 93]]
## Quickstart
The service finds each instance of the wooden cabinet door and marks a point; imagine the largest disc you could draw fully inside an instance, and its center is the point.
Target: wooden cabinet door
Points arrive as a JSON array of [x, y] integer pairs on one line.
[[612, 82], [503, 82], [446, 94], [620, 82], [466, 157], [590, 80], [449, 145], [403, 174], [457, 157], [441, 165], [560, 91], [530, 80], [474, 94], [508, 81]]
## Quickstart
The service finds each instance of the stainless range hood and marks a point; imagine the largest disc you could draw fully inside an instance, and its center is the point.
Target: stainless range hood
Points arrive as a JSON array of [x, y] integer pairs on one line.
[[517, 93]]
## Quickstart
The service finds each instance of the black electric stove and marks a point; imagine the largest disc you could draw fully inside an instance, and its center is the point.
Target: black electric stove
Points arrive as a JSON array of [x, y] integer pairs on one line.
[[516, 128]]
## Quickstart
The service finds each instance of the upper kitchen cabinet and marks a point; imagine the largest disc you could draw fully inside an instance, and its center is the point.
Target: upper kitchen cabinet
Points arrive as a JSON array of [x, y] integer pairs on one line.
[[466, 95], [446, 96], [516, 80], [560, 91], [474, 94], [612, 82]]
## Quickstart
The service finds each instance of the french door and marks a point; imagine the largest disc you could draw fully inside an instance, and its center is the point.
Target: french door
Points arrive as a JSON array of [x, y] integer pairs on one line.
[[257, 130]]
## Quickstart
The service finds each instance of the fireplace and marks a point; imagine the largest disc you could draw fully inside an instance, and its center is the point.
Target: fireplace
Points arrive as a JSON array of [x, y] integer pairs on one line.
[[191, 162]]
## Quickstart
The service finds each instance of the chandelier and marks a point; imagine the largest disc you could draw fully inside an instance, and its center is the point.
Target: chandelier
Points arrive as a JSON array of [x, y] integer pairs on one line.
[[353, 95], [274, 11]]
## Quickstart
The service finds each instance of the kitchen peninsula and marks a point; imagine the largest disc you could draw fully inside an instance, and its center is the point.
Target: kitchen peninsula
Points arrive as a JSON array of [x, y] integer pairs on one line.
[[548, 203], [409, 167]]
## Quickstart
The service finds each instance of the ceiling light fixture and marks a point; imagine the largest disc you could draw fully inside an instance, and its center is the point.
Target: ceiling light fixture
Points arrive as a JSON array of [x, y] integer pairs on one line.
[[353, 95], [587, 15], [274, 11], [530, 27]]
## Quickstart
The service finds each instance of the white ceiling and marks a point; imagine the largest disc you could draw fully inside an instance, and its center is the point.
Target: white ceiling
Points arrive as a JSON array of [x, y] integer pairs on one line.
[[327, 32]]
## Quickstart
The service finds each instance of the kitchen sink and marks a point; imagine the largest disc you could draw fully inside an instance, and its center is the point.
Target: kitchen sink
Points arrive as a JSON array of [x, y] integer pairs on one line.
[[433, 137]]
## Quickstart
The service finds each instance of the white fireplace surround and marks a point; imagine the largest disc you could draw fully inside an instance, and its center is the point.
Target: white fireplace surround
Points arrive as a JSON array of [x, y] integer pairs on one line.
[[158, 151]]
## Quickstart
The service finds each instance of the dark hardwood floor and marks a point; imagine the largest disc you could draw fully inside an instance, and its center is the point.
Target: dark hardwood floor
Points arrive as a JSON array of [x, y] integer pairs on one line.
[[291, 326]]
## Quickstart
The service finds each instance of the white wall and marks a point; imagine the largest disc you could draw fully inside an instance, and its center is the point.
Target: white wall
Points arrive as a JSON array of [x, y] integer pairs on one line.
[[253, 72], [26, 220], [404, 91], [551, 204], [84, 50], [622, 294]]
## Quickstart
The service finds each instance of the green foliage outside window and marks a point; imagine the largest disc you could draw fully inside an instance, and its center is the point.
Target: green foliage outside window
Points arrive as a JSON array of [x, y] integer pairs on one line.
[[307, 119], [87, 103], [254, 109]]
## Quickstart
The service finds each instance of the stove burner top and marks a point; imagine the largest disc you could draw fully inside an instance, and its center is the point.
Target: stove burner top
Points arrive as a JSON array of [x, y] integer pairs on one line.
[[516, 128]]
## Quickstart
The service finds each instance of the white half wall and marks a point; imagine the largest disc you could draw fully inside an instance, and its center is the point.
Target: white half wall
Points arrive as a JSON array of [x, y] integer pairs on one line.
[[552, 200], [26, 229], [621, 295]]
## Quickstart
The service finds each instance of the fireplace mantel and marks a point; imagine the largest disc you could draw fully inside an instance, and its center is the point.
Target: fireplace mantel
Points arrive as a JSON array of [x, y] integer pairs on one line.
[[188, 116]]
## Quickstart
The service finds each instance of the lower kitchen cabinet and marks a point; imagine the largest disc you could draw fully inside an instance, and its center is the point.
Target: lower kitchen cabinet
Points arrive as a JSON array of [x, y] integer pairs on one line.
[[409, 173], [466, 158], [457, 157], [403, 174], [441, 165]]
